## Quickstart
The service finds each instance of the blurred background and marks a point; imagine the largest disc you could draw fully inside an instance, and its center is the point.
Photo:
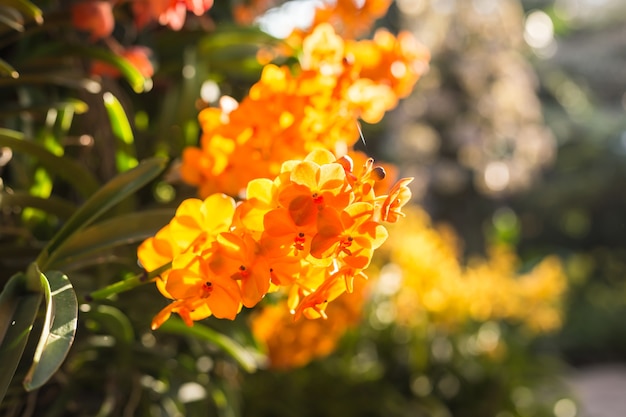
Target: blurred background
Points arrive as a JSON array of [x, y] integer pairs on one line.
[[518, 132], [523, 112], [516, 137], [524, 115]]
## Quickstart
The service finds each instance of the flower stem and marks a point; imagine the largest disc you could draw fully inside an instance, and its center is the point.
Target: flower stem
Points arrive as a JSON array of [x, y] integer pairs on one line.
[[126, 284]]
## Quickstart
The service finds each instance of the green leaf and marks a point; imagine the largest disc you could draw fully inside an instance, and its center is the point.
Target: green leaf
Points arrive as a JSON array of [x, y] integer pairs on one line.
[[105, 198], [125, 154], [232, 50], [62, 166], [229, 36], [8, 70], [119, 122], [56, 206], [58, 331], [27, 8], [58, 78], [114, 323], [127, 284], [121, 230], [137, 81], [75, 105], [244, 357], [18, 310], [11, 18], [8, 301]]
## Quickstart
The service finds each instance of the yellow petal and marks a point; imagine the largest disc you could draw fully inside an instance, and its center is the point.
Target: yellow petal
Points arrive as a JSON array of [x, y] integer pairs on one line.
[[217, 211], [305, 173]]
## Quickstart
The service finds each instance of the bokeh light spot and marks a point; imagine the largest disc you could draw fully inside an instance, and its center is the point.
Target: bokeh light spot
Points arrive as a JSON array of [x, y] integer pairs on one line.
[[538, 30], [210, 91], [565, 407], [497, 176]]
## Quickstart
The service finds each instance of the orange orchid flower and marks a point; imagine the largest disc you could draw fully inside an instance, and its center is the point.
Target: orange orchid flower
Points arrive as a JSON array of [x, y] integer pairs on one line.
[[157, 250], [324, 185], [400, 194], [239, 258], [290, 232], [314, 305], [323, 51], [197, 292], [198, 221], [350, 235], [260, 198], [398, 62], [369, 181], [195, 224]]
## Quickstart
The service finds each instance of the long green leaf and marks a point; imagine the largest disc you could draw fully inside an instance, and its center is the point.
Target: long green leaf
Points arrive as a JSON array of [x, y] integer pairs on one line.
[[117, 116], [62, 166], [11, 18], [121, 230], [18, 320], [8, 70], [27, 8], [8, 301], [58, 78], [105, 198], [125, 154], [244, 357], [114, 321], [53, 205], [137, 81], [58, 332], [231, 49], [229, 36], [75, 105]]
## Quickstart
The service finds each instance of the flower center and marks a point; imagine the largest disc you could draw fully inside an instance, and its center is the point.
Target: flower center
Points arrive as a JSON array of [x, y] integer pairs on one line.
[[207, 289], [317, 198]]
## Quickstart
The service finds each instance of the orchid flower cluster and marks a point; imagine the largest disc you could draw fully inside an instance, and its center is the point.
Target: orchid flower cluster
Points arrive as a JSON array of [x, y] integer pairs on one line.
[[309, 232], [308, 217], [286, 115]]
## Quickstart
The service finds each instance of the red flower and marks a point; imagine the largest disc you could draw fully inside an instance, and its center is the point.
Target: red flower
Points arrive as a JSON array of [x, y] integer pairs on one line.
[[170, 13], [95, 17], [138, 56]]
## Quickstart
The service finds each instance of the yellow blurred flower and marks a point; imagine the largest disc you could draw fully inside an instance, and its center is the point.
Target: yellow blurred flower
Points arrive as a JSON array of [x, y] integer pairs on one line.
[[435, 284]]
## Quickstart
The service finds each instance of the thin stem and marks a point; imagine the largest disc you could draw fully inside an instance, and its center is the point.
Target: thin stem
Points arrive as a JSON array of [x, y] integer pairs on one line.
[[127, 284]]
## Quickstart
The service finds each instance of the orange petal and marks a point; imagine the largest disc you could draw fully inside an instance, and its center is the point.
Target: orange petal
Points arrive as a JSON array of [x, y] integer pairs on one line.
[[278, 222], [161, 317], [255, 286], [225, 300]]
